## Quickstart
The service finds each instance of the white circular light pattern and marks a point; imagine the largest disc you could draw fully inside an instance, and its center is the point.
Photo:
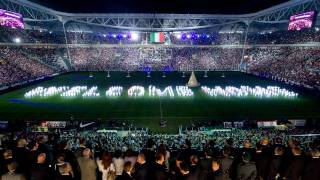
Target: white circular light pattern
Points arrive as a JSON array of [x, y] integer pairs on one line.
[[114, 91], [92, 92], [74, 91], [245, 91], [184, 91], [168, 91], [136, 91]]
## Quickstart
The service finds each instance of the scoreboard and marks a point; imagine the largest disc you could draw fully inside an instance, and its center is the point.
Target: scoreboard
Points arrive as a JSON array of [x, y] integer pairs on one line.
[[11, 19]]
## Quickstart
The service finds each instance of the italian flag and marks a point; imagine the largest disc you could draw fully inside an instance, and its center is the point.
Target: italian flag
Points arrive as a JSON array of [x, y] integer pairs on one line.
[[157, 37]]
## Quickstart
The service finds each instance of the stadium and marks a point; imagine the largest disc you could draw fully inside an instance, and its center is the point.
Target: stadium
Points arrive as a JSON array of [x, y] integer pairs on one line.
[[123, 80]]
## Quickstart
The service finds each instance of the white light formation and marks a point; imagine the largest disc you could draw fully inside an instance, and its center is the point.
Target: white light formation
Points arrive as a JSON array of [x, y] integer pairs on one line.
[[74, 91], [92, 92], [114, 91], [184, 91], [136, 91], [153, 91], [246, 91], [45, 92]]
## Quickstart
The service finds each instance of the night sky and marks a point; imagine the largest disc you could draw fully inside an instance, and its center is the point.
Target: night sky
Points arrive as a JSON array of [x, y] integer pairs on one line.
[[160, 6]]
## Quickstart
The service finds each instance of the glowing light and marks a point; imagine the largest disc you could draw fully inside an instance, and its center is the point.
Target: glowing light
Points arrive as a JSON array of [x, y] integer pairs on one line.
[[92, 92], [74, 91], [45, 92], [114, 91], [119, 36], [184, 91], [136, 91], [17, 40], [246, 91], [134, 36], [168, 91]]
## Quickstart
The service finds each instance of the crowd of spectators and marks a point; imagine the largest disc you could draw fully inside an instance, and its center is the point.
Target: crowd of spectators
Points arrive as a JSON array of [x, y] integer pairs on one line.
[[299, 65], [157, 58], [8, 35], [17, 67], [292, 63], [224, 155], [50, 55]]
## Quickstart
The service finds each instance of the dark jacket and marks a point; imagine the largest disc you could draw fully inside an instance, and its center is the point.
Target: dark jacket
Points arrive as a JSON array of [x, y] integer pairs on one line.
[[124, 176], [226, 165], [20, 154], [141, 172], [246, 171], [262, 161], [277, 167], [158, 172], [216, 175], [41, 172], [295, 168], [311, 170]]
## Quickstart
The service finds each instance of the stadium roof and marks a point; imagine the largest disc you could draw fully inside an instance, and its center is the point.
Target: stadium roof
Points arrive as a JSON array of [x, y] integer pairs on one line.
[[160, 6], [35, 14]]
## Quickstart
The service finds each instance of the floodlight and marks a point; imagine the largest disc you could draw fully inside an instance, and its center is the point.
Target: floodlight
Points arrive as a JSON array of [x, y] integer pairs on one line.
[[134, 36]]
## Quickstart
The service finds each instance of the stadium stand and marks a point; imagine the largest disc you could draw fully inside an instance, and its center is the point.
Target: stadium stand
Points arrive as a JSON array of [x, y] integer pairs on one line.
[[234, 154]]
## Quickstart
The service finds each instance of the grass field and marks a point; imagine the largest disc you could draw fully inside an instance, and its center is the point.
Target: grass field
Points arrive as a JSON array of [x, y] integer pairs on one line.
[[146, 111]]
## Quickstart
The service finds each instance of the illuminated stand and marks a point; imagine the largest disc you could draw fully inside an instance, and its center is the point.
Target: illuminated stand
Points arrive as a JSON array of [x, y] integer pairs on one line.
[[193, 81], [108, 74]]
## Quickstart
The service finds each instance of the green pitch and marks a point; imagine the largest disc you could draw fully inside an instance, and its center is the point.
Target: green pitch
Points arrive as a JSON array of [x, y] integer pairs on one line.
[[146, 111]]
